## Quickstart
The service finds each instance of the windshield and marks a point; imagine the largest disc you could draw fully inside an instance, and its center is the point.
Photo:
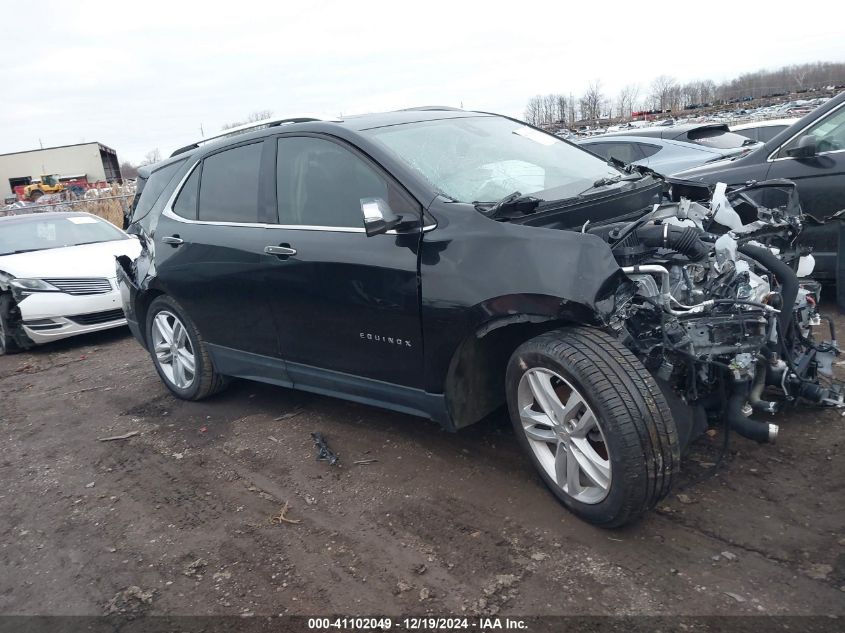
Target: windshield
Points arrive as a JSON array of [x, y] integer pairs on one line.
[[483, 159], [40, 233]]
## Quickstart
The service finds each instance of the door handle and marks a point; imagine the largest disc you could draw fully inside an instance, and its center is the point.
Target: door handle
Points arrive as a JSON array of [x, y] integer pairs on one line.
[[173, 240], [283, 251]]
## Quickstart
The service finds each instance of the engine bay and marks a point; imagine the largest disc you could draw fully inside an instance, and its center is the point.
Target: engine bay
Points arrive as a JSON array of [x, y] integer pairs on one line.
[[721, 309]]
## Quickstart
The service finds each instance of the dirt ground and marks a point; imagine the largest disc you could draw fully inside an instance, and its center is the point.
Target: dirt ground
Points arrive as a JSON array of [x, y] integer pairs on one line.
[[180, 518]]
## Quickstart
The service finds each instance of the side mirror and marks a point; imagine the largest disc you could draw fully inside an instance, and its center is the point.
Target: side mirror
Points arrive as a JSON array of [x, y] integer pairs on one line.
[[378, 216], [806, 148]]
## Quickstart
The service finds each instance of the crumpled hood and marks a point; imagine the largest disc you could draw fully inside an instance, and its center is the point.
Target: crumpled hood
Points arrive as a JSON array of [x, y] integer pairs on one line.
[[87, 260]]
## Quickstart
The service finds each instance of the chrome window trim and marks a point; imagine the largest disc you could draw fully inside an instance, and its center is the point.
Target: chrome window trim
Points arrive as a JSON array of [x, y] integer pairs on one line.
[[296, 227], [772, 159], [168, 212]]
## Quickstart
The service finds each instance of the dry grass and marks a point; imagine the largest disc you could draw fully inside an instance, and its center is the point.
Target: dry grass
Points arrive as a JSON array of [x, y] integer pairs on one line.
[[111, 210]]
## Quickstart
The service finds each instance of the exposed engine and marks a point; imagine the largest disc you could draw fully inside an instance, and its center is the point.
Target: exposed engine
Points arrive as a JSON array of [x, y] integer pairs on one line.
[[721, 310]]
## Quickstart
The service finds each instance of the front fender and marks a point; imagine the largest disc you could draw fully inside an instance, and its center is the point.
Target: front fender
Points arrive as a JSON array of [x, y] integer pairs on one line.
[[478, 275]]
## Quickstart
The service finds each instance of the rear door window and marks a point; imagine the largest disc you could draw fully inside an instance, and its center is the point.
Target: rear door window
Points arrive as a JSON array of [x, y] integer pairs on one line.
[[767, 133], [601, 149], [627, 152], [229, 187]]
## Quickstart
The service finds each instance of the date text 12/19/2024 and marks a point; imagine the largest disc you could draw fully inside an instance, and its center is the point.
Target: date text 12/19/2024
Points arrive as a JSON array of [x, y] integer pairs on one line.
[[427, 623]]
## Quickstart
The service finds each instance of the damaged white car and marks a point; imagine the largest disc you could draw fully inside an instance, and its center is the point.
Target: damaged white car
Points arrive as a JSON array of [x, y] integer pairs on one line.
[[57, 277]]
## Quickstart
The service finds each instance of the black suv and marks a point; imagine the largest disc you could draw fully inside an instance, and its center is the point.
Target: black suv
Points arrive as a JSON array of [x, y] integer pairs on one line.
[[443, 263]]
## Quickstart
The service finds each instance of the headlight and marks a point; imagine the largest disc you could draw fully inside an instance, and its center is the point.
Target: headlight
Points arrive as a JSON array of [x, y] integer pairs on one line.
[[33, 285]]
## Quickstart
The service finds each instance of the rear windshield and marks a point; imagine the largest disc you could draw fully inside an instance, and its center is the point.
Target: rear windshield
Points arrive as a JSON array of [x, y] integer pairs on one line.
[[41, 233], [716, 138]]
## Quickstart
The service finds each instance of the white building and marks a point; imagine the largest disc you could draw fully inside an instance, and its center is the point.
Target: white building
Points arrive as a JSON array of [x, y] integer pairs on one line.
[[94, 161]]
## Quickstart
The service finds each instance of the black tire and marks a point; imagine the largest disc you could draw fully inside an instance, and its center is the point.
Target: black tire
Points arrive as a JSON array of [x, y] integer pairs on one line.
[[638, 434], [35, 194], [206, 381], [8, 345]]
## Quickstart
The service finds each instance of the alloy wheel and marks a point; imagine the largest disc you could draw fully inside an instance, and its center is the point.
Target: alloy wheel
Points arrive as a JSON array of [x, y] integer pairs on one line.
[[564, 434], [173, 350]]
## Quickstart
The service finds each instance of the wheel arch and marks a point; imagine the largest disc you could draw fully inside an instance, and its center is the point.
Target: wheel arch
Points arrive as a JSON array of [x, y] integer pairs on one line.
[[475, 381], [142, 305]]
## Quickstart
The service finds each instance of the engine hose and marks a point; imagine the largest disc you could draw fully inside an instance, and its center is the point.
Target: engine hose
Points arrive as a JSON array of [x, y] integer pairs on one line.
[[755, 397], [787, 278], [683, 239], [752, 429]]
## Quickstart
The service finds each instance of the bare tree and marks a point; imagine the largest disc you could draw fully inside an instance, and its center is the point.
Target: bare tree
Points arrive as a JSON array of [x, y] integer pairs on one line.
[[661, 92], [128, 170], [592, 101], [255, 117], [151, 157], [561, 109], [534, 110], [626, 99]]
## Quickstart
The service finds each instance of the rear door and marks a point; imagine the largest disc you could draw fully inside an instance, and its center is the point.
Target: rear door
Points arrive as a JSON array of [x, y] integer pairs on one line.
[[342, 301], [210, 256]]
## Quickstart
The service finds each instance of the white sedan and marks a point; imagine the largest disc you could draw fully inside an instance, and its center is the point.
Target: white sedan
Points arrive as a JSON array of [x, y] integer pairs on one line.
[[57, 277]]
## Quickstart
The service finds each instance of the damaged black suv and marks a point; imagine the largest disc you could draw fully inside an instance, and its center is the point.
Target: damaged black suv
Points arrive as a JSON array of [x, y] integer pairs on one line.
[[445, 263]]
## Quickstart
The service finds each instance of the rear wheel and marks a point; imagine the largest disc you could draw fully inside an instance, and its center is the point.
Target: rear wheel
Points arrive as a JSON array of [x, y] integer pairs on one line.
[[35, 194], [179, 353], [594, 423]]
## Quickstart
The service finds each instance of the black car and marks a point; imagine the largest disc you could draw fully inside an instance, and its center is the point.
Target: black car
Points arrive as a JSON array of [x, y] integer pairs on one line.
[[811, 153], [444, 263]]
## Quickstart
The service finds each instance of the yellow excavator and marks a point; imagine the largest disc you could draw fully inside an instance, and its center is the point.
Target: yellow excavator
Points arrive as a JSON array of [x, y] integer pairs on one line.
[[49, 183]]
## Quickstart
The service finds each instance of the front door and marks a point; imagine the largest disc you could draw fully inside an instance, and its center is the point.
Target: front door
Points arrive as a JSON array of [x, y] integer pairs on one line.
[[819, 178], [820, 181], [342, 302]]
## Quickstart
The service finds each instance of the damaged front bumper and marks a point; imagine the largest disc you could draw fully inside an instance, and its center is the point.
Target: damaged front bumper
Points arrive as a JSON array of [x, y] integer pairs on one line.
[[51, 316]]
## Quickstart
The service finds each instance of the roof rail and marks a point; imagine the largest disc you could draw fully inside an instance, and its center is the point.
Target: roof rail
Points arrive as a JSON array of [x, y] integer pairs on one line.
[[433, 108], [250, 127]]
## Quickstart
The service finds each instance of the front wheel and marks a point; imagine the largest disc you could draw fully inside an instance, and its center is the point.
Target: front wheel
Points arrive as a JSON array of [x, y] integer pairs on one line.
[[8, 345], [594, 423], [179, 353]]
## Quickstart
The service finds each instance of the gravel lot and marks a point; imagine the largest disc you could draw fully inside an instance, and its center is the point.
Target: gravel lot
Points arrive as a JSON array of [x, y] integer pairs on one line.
[[179, 519]]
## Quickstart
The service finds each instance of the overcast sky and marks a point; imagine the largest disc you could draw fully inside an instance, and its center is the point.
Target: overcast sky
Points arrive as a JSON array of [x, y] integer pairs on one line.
[[145, 75]]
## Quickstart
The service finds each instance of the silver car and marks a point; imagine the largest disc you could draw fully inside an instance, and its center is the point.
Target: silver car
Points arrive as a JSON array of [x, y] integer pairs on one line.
[[668, 150]]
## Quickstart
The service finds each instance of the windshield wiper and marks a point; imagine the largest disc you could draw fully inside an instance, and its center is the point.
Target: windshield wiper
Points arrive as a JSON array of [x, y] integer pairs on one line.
[[514, 202], [23, 250], [612, 180]]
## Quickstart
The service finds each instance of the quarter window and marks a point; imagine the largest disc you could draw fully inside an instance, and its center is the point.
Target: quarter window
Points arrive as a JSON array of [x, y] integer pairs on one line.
[[320, 183], [229, 188], [186, 202], [150, 190], [648, 149]]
